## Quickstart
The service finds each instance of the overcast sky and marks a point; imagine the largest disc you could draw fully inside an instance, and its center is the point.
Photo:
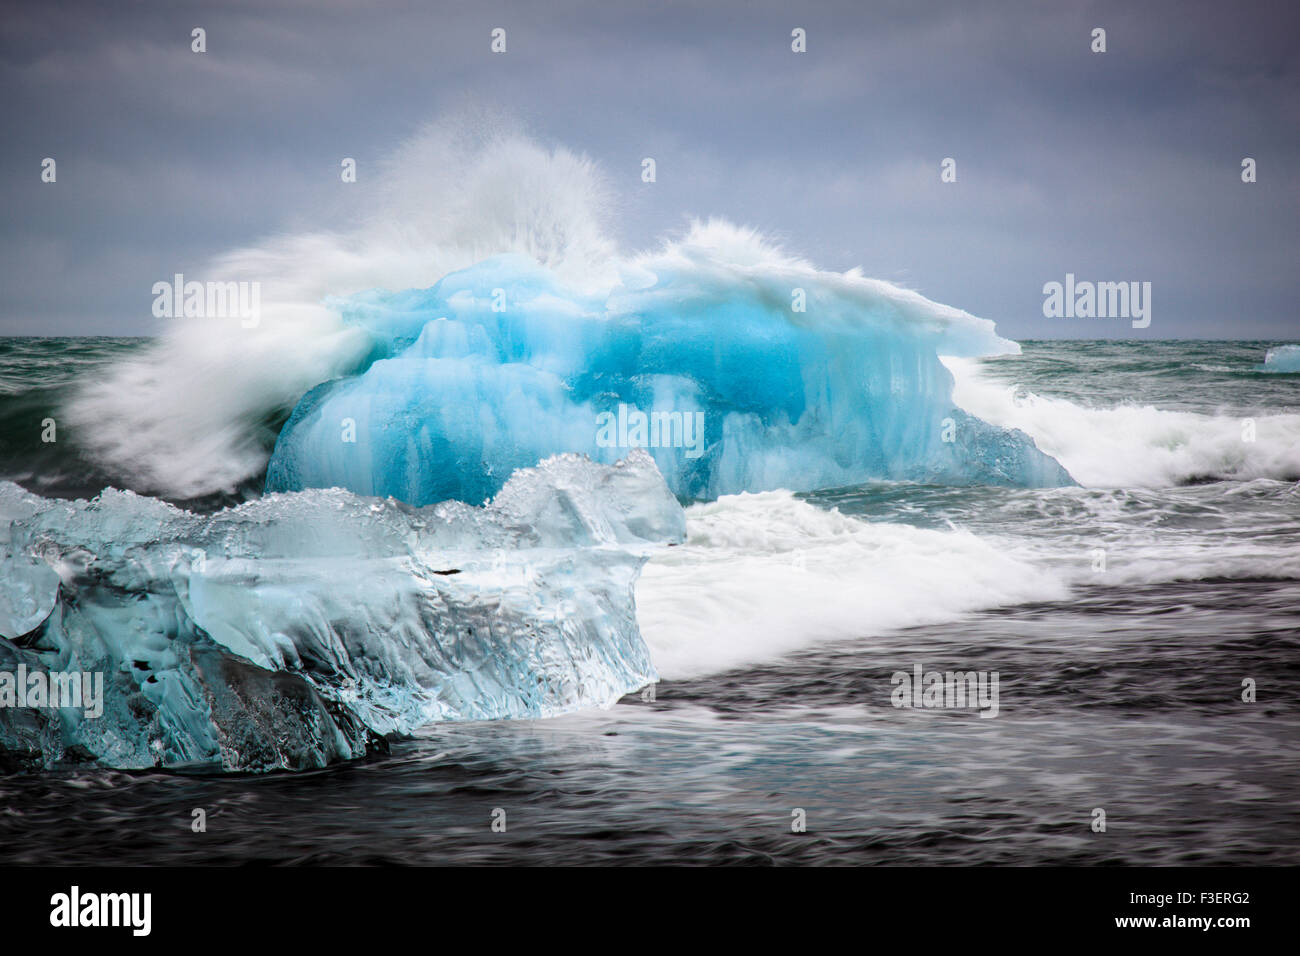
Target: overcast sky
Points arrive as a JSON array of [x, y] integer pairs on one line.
[[1117, 166]]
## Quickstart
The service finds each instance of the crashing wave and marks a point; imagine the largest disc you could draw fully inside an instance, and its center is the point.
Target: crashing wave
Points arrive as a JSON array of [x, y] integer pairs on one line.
[[301, 629], [1128, 445]]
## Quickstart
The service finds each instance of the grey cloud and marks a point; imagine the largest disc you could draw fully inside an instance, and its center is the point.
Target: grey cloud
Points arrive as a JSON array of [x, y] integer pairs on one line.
[[1119, 166]]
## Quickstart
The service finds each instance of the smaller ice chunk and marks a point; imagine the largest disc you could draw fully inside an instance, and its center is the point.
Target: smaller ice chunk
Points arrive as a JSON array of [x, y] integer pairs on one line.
[[303, 628], [1283, 359], [28, 586]]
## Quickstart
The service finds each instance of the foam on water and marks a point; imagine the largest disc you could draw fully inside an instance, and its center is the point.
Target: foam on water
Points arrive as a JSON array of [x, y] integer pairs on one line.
[[765, 574], [1127, 445]]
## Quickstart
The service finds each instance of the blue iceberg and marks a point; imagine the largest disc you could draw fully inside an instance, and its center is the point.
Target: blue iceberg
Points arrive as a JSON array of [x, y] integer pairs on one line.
[[736, 369], [302, 629]]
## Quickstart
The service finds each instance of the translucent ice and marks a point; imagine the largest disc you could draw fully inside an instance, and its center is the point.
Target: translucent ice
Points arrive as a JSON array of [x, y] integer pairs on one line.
[[737, 369], [299, 629], [1284, 358]]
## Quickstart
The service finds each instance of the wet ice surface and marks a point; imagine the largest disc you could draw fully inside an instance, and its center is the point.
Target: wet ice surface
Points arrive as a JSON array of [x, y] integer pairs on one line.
[[1124, 699], [298, 630]]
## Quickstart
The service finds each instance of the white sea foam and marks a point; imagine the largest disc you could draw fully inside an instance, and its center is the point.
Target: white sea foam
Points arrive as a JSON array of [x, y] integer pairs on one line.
[[762, 575], [1129, 445]]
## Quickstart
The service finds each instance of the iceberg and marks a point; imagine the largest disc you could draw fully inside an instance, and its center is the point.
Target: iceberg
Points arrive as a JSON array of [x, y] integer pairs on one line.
[[302, 629], [735, 368], [1283, 359]]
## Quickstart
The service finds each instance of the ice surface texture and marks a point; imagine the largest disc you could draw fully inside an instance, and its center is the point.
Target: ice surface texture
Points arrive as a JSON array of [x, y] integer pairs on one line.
[[296, 630], [499, 365]]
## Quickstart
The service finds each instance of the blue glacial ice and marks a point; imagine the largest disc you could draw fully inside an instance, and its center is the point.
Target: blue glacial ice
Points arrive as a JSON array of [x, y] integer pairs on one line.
[[1283, 359], [736, 368], [301, 629]]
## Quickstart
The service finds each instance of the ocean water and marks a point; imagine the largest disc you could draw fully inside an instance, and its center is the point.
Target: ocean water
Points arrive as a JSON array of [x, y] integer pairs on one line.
[[1122, 617]]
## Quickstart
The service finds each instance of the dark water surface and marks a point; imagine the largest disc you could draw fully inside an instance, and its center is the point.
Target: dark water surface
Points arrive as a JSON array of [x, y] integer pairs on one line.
[[1128, 700]]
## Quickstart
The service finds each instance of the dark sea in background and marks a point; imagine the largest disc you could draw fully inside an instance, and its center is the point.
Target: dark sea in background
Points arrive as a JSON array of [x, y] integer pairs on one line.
[[1120, 689]]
